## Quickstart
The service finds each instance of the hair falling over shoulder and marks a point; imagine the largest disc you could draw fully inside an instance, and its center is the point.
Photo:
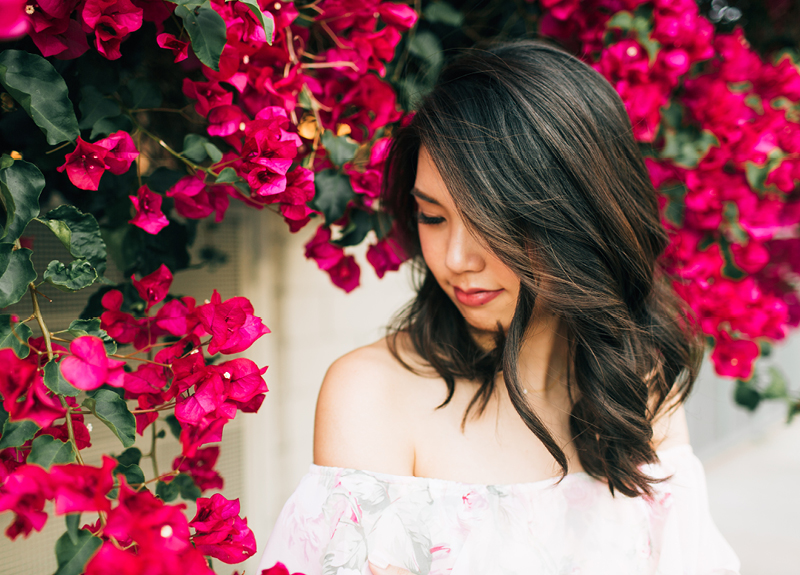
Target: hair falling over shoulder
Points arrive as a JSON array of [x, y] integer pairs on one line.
[[537, 152]]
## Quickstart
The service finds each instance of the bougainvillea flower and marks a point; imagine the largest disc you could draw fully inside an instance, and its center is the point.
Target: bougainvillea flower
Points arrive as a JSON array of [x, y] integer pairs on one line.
[[208, 430], [180, 48], [231, 324], [206, 95], [79, 488], [734, 357], [322, 251], [177, 316], [25, 492], [243, 379], [85, 165], [24, 393], [208, 396], [14, 23], [191, 197], [112, 21], [89, 367], [220, 532], [121, 152], [385, 256], [368, 181], [201, 468], [149, 216], [83, 438], [154, 287], [226, 120], [157, 533], [400, 16], [278, 569], [346, 274]]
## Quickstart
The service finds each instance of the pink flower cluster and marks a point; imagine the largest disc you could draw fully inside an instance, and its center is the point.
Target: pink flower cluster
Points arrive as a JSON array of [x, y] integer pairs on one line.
[[735, 252], [87, 163], [141, 533]]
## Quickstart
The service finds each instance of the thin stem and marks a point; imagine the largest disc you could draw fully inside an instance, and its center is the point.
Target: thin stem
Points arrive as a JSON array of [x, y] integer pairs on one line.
[[153, 451], [290, 45], [57, 148], [335, 64], [143, 360], [70, 430]]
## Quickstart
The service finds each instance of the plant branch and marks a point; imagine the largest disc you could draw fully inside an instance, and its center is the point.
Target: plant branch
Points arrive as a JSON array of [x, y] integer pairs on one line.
[[153, 451]]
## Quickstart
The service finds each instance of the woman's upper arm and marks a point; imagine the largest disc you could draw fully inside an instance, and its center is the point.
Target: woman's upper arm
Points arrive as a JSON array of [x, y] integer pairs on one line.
[[360, 421]]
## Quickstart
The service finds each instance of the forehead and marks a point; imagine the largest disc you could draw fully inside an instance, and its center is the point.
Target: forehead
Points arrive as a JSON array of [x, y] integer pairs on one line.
[[429, 185]]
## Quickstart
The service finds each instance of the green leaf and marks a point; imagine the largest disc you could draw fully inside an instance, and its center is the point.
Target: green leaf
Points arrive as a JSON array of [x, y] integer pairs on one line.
[[41, 91], [174, 425], [426, 46], [47, 450], [622, 20], [187, 487], [206, 30], [56, 383], [194, 147], [341, 149], [73, 527], [91, 326], [443, 13], [794, 409], [167, 491], [266, 20], [356, 230], [213, 152], [778, 388], [108, 125], [22, 183], [78, 274], [8, 339], [686, 147], [162, 179], [746, 395], [112, 410], [333, 192], [73, 557], [133, 473], [131, 456], [143, 94], [79, 233], [95, 106], [756, 175], [17, 272], [15, 433], [227, 176]]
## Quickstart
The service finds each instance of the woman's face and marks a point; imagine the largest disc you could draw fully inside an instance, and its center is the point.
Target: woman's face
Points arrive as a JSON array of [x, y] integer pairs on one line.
[[482, 287]]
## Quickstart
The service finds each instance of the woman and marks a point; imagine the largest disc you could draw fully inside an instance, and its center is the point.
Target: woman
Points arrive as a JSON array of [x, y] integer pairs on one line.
[[524, 415]]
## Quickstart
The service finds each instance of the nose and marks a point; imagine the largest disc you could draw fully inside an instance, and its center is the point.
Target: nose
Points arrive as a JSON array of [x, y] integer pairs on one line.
[[464, 252]]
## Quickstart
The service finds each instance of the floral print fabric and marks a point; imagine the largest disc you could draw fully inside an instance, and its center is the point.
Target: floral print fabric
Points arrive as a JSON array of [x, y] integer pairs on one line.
[[337, 518]]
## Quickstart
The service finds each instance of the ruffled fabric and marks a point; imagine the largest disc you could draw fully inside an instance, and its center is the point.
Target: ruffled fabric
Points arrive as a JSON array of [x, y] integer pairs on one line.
[[338, 518]]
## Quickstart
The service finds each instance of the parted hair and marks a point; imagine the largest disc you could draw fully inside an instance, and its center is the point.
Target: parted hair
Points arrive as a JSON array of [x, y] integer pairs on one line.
[[538, 154]]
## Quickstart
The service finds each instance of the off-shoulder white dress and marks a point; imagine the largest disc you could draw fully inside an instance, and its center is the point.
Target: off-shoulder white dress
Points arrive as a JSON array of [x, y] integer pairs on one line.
[[337, 518]]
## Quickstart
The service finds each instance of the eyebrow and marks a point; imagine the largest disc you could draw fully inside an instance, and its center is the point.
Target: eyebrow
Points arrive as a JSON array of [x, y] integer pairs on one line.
[[424, 197]]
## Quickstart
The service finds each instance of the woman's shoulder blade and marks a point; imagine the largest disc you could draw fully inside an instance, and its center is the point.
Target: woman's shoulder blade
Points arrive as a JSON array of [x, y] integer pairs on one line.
[[363, 412]]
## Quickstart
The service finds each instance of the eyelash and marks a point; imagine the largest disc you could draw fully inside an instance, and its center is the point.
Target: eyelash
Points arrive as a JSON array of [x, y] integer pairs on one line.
[[423, 219]]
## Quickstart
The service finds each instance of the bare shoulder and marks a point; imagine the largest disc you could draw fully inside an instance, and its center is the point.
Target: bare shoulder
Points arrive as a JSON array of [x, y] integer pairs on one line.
[[363, 413], [669, 426]]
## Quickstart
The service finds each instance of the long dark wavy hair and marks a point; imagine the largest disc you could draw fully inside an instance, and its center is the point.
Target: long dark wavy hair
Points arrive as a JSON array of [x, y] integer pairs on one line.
[[537, 152]]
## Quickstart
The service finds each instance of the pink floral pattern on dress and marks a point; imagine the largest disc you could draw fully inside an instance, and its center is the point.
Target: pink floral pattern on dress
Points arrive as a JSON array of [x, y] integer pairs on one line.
[[338, 517]]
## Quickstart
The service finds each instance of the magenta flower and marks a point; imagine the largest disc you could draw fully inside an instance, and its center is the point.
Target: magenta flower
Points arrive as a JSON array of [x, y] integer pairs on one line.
[[231, 324], [226, 120], [243, 379], [322, 251], [207, 95], [89, 367], [14, 23], [278, 569], [79, 488], [385, 256], [201, 468], [345, 274], [220, 532], [24, 393], [25, 492], [191, 198], [112, 21], [149, 216], [121, 152], [154, 287], [400, 16], [179, 48], [208, 430], [209, 395], [177, 316], [734, 357], [85, 165]]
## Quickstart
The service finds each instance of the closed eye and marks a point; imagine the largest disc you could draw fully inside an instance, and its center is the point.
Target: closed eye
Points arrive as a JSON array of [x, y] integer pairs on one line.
[[431, 220]]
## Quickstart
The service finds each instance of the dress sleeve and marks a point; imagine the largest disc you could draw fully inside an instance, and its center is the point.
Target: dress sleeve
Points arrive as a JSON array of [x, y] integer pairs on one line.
[[691, 542]]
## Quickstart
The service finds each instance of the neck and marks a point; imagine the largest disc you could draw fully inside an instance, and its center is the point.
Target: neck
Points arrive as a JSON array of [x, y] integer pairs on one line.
[[543, 357]]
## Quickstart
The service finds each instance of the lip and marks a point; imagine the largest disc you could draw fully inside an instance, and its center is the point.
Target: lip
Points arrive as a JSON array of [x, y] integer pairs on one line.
[[475, 297]]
